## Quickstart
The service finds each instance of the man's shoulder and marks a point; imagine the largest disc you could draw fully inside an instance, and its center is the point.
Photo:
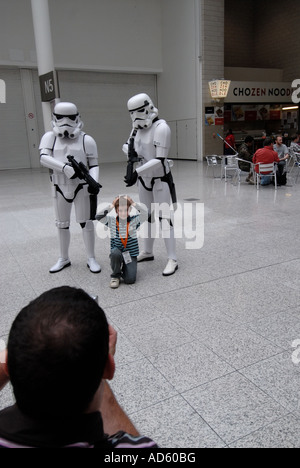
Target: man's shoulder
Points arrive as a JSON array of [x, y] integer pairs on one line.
[[285, 149], [260, 151]]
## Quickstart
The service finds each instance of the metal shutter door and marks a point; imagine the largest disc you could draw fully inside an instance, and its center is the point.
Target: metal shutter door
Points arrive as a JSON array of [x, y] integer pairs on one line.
[[14, 151], [101, 99]]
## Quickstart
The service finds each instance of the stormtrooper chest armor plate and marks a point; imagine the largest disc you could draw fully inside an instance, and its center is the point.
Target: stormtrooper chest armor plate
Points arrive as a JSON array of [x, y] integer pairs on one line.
[[66, 147], [145, 147]]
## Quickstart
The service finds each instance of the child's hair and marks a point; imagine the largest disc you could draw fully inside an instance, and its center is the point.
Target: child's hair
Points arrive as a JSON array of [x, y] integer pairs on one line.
[[122, 200]]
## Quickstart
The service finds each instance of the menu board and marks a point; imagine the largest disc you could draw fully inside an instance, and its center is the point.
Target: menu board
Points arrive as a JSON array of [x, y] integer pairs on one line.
[[214, 115], [217, 115], [252, 112]]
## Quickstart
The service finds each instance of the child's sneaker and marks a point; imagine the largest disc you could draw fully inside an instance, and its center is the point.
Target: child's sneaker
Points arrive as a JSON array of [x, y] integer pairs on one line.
[[114, 283]]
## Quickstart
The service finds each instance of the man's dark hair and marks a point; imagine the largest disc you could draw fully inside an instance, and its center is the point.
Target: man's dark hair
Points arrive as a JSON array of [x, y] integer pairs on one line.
[[249, 139], [57, 351], [268, 141]]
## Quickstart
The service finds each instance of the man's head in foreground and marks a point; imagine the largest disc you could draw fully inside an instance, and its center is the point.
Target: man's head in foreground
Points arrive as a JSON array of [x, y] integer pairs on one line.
[[58, 353]]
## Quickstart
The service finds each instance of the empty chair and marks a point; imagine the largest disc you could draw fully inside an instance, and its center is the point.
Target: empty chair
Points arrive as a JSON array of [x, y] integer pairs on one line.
[[230, 165], [212, 161], [294, 163]]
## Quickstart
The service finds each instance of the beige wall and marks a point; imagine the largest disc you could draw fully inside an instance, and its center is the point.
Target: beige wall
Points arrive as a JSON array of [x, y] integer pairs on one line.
[[104, 35], [213, 65], [263, 34]]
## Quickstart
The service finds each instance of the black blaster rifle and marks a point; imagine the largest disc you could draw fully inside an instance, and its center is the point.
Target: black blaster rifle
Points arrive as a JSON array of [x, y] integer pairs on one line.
[[131, 176], [81, 171]]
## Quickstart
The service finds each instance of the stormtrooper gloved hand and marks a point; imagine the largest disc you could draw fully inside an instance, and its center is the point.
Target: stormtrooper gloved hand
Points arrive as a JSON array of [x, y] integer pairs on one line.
[[68, 171], [131, 176]]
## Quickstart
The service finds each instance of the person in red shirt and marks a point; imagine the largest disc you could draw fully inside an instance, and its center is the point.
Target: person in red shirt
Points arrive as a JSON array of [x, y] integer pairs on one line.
[[230, 147], [266, 155]]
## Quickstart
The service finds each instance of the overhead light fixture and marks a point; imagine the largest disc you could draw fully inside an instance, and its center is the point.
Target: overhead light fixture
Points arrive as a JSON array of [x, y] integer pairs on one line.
[[219, 89], [290, 108]]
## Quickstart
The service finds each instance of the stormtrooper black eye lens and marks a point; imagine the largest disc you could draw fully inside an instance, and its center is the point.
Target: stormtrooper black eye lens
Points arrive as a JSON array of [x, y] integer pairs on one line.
[[71, 117]]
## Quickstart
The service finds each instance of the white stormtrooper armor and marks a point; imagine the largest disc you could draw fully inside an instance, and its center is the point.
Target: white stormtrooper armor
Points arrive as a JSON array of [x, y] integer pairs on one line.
[[142, 111], [152, 141], [67, 139], [66, 120]]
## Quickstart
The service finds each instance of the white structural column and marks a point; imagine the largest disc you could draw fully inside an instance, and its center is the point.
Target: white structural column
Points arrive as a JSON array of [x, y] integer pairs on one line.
[[44, 51], [199, 77]]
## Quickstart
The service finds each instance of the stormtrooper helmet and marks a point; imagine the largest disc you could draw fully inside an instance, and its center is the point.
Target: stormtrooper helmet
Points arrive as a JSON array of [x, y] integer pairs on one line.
[[142, 111], [66, 121]]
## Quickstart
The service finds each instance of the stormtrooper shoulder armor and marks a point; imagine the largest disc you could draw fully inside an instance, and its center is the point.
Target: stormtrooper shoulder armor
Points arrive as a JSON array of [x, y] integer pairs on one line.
[[90, 146], [162, 135], [47, 142], [90, 149]]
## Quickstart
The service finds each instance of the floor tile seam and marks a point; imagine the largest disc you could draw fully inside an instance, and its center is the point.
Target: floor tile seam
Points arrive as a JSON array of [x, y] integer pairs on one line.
[[220, 278], [263, 390], [215, 379], [127, 363], [244, 322], [200, 415], [288, 411], [266, 338], [126, 302], [263, 428], [193, 409], [237, 371], [140, 410], [261, 360], [238, 368], [191, 339], [204, 343]]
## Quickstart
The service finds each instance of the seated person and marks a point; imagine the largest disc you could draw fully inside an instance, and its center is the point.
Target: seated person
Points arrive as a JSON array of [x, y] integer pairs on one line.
[[246, 153], [266, 155], [60, 353], [295, 143], [283, 153]]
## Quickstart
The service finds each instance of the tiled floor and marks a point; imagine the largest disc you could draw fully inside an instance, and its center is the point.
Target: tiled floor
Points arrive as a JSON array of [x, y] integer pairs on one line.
[[204, 357]]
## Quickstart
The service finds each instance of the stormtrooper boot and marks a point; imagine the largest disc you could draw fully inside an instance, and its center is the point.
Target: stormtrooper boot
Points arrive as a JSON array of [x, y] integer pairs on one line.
[[89, 242], [170, 243], [171, 268], [146, 256], [93, 265], [64, 242], [60, 265]]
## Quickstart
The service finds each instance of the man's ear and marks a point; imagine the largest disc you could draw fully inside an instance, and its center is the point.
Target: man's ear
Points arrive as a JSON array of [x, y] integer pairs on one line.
[[109, 370], [3, 361]]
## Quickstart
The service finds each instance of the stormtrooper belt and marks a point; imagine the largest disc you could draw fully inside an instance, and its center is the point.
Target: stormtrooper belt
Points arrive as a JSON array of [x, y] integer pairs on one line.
[[168, 178], [69, 200]]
